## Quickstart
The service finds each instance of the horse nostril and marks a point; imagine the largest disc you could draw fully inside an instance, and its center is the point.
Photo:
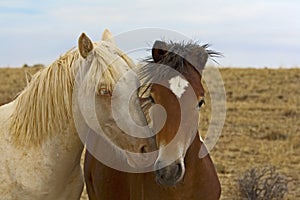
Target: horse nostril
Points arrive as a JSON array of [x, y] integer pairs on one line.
[[144, 149], [178, 170], [178, 167]]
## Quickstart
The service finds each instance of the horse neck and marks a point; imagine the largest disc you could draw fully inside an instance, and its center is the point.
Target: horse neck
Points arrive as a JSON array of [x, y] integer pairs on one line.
[[192, 156], [200, 170]]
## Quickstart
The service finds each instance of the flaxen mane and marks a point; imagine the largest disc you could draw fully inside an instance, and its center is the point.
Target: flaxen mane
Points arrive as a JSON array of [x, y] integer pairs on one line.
[[46, 102]]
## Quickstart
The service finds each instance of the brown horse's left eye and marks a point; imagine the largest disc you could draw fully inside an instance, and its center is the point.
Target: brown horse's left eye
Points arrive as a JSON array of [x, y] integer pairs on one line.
[[200, 103]]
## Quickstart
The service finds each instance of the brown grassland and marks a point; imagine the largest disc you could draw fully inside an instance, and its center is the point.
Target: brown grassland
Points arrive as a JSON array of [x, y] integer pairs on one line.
[[262, 126]]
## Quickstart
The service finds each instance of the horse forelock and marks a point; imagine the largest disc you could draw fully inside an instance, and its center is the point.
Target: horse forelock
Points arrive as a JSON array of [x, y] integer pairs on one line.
[[108, 65], [150, 72], [176, 54]]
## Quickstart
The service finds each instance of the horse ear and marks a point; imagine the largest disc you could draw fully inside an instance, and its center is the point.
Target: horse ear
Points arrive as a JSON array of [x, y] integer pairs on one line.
[[159, 49], [85, 45], [107, 36], [28, 76], [198, 61]]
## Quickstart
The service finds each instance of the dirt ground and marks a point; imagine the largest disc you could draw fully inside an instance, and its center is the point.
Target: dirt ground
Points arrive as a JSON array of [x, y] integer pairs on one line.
[[262, 126]]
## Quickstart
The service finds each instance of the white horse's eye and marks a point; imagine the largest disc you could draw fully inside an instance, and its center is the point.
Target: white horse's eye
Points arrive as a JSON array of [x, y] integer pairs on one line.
[[104, 91]]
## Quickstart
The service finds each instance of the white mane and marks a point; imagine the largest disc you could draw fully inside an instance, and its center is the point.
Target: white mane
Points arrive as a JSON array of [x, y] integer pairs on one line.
[[45, 105]]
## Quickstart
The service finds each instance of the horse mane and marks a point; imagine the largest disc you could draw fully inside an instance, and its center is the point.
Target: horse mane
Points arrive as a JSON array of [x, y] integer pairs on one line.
[[174, 58], [106, 68], [44, 107], [149, 72]]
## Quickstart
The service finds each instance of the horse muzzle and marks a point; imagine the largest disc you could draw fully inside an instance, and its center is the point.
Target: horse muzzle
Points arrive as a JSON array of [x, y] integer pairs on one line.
[[171, 174]]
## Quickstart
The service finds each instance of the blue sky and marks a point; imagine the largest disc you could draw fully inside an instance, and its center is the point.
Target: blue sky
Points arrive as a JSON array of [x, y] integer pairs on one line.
[[249, 33]]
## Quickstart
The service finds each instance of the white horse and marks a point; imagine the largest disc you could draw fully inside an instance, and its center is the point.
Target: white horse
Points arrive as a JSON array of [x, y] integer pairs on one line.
[[40, 149]]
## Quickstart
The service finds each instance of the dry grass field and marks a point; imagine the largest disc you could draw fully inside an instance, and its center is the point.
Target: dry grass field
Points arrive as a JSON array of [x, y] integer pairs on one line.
[[262, 126]]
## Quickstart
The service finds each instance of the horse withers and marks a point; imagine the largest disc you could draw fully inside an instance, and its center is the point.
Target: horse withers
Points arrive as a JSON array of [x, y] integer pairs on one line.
[[172, 79], [39, 142]]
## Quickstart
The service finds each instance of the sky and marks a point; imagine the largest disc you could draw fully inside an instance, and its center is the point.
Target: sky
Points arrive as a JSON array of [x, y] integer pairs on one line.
[[249, 33]]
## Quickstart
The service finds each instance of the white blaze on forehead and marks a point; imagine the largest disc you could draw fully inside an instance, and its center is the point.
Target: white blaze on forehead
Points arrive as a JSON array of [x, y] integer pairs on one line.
[[178, 85]]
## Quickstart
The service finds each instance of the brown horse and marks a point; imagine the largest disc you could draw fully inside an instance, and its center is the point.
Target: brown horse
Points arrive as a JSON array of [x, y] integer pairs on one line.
[[173, 80]]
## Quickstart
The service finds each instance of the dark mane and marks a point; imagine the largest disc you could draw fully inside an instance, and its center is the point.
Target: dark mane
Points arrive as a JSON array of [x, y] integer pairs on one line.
[[176, 53]]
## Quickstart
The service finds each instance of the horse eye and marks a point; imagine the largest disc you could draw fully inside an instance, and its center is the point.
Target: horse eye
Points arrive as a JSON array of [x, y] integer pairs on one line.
[[200, 103], [104, 91]]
